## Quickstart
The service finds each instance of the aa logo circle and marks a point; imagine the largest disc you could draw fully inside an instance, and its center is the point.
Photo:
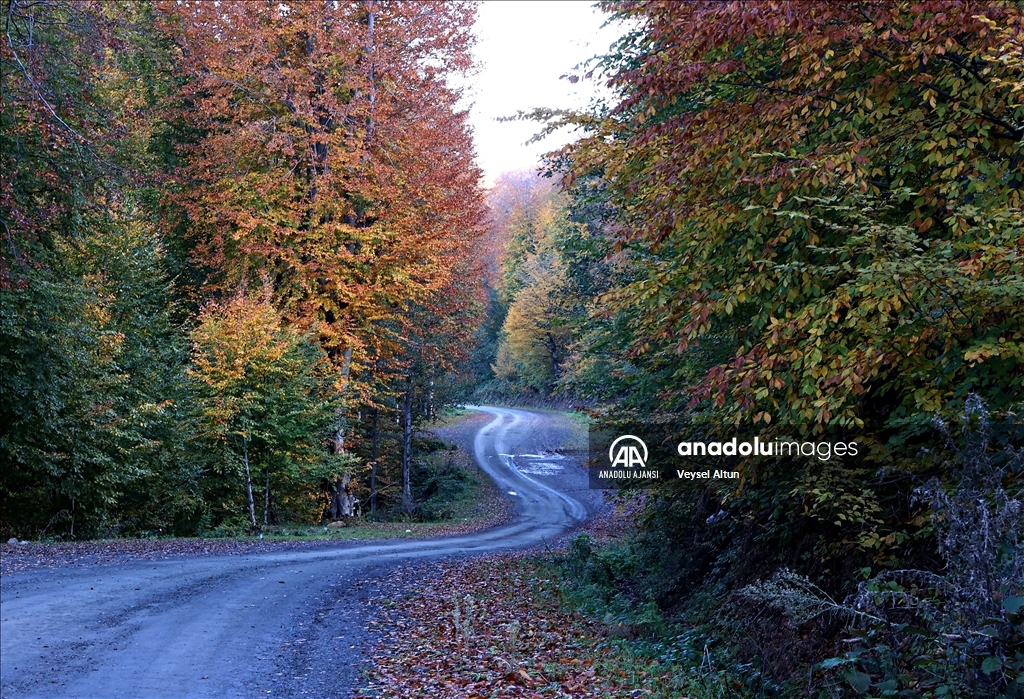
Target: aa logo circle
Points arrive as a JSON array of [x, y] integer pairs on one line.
[[628, 451]]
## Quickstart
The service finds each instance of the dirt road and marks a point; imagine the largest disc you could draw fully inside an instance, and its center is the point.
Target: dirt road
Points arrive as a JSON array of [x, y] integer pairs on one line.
[[272, 624]]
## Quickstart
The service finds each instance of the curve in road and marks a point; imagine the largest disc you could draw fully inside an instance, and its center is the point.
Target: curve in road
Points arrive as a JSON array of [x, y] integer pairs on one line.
[[212, 626]]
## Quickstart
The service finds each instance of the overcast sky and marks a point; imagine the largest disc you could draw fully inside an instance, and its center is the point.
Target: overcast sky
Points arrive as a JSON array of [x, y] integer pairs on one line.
[[522, 50]]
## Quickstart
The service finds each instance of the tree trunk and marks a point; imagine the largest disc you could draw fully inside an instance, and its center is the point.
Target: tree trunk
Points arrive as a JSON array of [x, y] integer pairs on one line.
[[374, 455], [407, 446], [343, 503], [248, 482], [339, 434], [266, 499], [555, 368]]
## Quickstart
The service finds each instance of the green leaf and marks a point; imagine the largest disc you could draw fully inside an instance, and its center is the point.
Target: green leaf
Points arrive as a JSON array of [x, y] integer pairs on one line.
[[830, 663], [991, 664], [858, 680], [889, 685], [1013, 604]]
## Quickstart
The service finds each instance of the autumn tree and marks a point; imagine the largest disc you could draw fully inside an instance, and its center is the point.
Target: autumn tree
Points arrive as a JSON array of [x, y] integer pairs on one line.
[[347, 194], [536, 329], [266, 396], [332, 159], [533, 308], [831, 190]]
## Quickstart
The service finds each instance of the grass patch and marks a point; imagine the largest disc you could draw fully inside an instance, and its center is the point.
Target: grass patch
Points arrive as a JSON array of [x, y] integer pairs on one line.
[[454, 496], [360, 529], [605, 581], [450, 416]]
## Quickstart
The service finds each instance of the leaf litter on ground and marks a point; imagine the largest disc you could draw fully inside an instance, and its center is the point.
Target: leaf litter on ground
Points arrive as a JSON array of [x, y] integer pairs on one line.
[[499, 626]]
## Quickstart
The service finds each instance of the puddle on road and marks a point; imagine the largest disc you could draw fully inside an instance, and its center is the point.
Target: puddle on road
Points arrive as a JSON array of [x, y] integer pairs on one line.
[[534, 464], [542, 468]]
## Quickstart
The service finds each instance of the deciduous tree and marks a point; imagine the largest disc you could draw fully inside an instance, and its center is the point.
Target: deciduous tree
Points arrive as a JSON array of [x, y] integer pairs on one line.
[[266, 399]]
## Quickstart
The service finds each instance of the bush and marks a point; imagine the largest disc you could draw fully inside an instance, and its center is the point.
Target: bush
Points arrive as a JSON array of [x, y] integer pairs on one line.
[[441, 483], [917, 633]]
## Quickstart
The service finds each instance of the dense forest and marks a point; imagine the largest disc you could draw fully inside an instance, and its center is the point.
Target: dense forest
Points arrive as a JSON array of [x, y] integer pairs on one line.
[[236, 239], [796, 218], [246, 254]]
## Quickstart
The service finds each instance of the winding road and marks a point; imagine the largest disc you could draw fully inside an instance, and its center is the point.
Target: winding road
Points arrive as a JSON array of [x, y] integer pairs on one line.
[[272, 624]]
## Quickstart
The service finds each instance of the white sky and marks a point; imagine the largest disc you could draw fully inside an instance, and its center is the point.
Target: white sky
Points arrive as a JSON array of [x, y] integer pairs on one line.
[[522, 49]]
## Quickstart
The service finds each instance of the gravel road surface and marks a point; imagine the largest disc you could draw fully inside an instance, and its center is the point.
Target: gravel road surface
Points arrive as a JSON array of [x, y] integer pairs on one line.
[[290, 623]]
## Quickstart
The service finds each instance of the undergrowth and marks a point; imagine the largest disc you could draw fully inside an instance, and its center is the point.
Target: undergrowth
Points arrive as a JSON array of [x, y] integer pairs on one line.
[[952, 630]]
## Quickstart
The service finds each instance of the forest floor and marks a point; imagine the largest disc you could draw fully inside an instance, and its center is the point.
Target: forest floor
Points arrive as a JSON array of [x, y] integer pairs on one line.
[[508, 625]]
